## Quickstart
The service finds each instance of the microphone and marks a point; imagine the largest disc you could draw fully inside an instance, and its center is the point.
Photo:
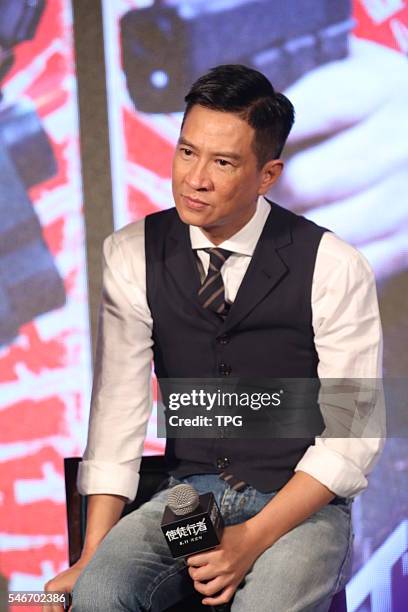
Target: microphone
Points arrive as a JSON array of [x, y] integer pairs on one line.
[[192, 523]]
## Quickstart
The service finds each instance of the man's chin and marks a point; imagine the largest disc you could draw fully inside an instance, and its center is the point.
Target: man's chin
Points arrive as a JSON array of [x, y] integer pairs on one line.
[[191, 217]]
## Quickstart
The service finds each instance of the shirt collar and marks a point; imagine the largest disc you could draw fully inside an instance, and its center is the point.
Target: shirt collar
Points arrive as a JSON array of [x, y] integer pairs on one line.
[[244, 241]]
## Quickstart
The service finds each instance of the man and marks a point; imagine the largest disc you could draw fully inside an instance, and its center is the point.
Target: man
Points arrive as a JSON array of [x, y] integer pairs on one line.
[[226, 283]]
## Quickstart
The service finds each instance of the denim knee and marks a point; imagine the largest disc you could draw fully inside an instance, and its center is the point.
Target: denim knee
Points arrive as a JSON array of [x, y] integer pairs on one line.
[[103, 589]]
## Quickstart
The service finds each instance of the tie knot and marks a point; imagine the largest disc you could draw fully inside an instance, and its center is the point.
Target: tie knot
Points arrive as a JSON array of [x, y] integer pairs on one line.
[[218, 257]]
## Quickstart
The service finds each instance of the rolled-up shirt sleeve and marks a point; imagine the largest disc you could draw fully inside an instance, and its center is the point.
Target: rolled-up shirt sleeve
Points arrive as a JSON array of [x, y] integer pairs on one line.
[[348, 340], [121, 401]]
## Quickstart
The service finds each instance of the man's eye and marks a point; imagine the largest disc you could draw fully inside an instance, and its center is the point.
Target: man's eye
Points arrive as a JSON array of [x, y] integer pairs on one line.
[[223, 162], [186, 152]]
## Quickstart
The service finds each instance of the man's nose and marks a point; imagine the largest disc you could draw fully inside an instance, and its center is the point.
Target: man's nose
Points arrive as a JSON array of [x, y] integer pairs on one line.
[[197, 177]]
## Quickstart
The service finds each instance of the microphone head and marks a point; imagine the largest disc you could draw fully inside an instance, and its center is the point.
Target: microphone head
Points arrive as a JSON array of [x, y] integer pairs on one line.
[[182, 499]]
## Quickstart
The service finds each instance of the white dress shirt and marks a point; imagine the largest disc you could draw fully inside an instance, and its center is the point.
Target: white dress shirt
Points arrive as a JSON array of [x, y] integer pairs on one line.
[[347, 335]]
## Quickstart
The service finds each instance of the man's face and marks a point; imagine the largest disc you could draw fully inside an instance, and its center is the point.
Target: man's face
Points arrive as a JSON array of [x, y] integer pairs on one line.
[[215, 180]]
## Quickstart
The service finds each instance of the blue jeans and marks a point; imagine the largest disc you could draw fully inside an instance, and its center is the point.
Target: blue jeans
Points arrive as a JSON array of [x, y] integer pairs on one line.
[[132, 569]]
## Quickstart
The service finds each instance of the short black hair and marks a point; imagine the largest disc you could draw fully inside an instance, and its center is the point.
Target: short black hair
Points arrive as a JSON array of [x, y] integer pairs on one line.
[[235, 88]]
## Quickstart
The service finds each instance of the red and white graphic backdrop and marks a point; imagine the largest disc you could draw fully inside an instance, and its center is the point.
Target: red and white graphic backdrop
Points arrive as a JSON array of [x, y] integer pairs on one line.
[[45, 371], [385, 21]]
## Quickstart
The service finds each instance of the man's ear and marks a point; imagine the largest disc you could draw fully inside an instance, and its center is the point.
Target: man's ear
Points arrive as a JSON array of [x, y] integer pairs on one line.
[[270, 173]]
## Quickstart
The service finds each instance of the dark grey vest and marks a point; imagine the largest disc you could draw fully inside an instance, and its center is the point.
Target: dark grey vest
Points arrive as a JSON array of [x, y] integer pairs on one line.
[[267, 334]]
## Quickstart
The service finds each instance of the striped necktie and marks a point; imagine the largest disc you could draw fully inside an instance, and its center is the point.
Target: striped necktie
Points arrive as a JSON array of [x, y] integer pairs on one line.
[[211, 294]]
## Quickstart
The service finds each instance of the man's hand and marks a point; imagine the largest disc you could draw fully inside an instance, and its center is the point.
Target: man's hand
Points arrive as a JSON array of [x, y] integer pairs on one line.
[[64, 582], [348, 154], [224, 567]]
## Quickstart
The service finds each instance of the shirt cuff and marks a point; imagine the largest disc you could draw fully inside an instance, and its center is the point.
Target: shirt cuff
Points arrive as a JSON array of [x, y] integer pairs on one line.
[[338, 474], [108, 478]]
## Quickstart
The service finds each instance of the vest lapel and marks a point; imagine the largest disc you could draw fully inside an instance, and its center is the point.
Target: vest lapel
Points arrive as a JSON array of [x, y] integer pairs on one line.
[[266, 270], [181, 263]]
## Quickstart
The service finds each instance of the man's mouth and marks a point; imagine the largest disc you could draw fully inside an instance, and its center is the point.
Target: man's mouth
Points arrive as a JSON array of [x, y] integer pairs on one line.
[[194, 203]]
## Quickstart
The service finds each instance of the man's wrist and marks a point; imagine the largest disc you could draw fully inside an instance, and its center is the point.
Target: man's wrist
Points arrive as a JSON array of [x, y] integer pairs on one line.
[[259, 538], [86, 555]]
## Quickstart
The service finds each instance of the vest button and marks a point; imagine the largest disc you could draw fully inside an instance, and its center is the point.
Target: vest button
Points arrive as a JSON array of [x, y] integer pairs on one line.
[[224, 369], [222, 462], [224, 339]]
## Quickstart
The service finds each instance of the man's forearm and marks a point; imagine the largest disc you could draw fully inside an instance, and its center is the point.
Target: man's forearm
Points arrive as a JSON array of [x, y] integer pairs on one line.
[[103, 513], [301, 497]]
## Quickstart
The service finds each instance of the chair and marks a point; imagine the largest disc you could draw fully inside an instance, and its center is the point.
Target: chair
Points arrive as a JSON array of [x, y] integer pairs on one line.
[[152, 475]]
